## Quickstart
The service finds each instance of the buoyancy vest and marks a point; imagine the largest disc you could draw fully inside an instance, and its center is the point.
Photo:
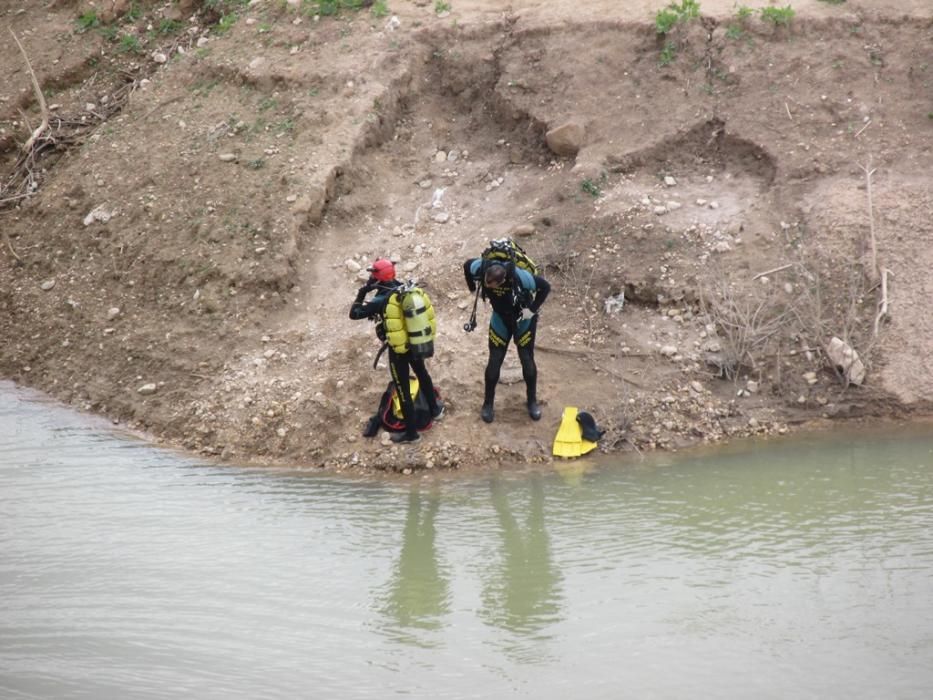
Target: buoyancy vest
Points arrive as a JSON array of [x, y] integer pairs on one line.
[[506, 251], [409, 322]]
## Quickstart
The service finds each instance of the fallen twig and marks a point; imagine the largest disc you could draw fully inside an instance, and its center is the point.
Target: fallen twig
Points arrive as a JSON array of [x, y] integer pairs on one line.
[[869, 171], [789, 116], [883, 303], [9, 245], [773, 270], [40, 98], [867, 124]]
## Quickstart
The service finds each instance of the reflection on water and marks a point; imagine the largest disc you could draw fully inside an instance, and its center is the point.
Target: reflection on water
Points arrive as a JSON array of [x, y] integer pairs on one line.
[[418, 593], [795, 569], [521, 594]]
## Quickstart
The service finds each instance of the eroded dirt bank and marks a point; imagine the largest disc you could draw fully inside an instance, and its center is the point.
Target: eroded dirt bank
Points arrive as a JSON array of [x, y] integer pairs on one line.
[[187, 261]]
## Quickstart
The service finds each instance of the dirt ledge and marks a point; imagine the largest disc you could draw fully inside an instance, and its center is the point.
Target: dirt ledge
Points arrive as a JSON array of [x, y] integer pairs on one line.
[[247, 180]]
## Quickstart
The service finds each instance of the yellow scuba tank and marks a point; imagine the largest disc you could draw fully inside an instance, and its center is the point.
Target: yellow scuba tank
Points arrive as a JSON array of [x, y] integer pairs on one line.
[[409, 322], [419, 322]]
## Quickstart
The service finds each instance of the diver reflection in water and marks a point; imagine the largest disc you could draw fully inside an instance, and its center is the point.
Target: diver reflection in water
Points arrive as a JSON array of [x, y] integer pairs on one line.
[[525, 595], [418, 594]]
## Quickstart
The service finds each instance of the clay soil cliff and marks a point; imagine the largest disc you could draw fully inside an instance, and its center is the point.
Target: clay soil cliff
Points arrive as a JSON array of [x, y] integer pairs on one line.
[[734, 189]]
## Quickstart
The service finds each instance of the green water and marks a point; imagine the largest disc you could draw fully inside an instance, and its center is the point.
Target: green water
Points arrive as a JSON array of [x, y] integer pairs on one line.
[[799, 568]]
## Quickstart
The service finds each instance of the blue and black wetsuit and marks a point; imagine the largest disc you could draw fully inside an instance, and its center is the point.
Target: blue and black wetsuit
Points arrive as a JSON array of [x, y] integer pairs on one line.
[[521, 290], [400, 364]]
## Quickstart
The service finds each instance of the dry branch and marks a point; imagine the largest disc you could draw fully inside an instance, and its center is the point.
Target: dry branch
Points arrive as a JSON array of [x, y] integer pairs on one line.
[[883, 303], [773, 270], [869, 171], [40, 98]]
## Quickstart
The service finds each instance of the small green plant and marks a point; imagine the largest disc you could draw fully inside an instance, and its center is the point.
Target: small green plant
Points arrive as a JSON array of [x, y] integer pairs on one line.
[[666, 22], [380, 8], [256, 164], [734, 32], [778, 16], [268, 103], [88, 20], [743, 13], [109, 33], [168, 26], [590, 187], [134, 13], [328, 7], [441, 6], [666, 19], [129, 44], [225, 23]]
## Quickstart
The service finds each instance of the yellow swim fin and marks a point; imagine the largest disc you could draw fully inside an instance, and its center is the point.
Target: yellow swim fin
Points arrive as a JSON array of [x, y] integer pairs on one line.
[[569, 439]]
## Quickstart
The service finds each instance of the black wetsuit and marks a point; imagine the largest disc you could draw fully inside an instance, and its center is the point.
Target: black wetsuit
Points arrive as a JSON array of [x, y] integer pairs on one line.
[[520, 290], [400, 365]]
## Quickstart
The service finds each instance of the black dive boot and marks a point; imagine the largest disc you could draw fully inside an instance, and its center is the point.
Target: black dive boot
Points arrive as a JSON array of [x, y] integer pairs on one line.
[[534, 410], [406, 437], [487, 413]]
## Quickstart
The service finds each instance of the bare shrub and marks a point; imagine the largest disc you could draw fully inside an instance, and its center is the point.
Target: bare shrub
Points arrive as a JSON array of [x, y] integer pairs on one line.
[[748, 324]]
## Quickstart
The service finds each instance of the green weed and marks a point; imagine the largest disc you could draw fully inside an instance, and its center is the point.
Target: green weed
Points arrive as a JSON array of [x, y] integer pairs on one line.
[[743, 13], [168, 26], [778, 16], [668, 19], [380, 8], [225, 24], [672, 15], [268, 103], [441, 6], [590, 187], [88, 20], [129, 44], [256, 164], [734, 32], [134, 13], [204, 88]]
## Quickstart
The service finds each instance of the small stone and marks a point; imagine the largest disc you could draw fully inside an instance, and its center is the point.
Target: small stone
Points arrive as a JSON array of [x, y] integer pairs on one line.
[[47, 285], [112, 313], [227, 157], [159, 57], [147, 389], [669, 181]]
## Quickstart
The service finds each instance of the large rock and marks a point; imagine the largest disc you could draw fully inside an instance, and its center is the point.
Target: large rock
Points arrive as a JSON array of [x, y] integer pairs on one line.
[[846, 360], [566, 139]]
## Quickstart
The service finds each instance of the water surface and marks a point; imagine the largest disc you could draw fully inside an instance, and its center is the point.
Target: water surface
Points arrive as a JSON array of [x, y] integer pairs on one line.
[[789, 569]]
